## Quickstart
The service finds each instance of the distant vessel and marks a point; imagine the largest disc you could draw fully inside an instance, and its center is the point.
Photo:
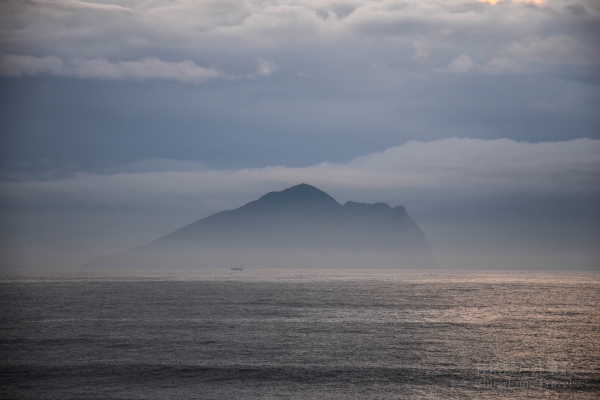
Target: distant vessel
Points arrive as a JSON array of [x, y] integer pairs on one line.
[[237, 269]]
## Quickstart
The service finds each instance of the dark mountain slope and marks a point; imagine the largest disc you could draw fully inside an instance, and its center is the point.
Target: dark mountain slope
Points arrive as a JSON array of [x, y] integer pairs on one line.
[[301, 226]]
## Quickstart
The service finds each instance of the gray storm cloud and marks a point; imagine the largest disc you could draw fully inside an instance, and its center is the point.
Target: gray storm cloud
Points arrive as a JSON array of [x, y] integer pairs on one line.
[[161, 34]]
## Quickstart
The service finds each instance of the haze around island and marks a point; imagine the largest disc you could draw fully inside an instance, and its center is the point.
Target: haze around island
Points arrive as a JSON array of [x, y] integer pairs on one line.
[[123, 121], [299, 227]]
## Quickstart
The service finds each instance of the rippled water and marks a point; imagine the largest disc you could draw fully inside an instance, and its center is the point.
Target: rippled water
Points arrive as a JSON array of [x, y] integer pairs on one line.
[[301, 334]]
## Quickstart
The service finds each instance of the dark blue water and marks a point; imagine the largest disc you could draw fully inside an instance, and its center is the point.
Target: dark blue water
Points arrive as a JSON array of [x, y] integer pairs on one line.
[[301, 335]]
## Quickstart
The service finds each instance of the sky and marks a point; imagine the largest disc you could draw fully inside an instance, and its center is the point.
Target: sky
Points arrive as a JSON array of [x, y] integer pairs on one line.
[[121, 121]]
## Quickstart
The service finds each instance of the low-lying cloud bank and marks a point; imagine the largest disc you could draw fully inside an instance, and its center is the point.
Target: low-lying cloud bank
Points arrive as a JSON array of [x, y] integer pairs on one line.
[[471, 167]]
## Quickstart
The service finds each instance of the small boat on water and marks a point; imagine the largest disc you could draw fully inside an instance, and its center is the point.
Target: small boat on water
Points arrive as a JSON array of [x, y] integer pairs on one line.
[[237, 269]]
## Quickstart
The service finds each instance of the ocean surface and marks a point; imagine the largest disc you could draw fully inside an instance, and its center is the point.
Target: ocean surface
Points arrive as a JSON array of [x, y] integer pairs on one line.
[[300, 335]]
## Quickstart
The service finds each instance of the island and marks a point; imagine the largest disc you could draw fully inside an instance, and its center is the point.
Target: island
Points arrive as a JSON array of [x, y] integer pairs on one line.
[[299, 227]]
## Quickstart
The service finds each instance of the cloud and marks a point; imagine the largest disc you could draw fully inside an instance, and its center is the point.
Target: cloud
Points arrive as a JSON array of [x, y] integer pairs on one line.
[[266, 68], [100, 68], [515, 1], [555, 49], [462, 63], [147, 68], [18, 65], [530, 1], [421, 51], [472, 167], [576, 9], [495, 66], [231, 33], [499, 65], [500, 165]]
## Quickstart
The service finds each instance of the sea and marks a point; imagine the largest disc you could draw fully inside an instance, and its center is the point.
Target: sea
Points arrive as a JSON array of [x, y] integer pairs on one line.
[[300, 334]]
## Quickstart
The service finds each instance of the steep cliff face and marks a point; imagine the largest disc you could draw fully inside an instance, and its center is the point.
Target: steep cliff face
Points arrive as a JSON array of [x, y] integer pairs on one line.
[[301, 226]]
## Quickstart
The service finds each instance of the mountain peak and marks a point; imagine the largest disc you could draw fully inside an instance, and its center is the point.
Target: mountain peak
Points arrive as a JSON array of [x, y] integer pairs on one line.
[[301, 195], [305, 191]]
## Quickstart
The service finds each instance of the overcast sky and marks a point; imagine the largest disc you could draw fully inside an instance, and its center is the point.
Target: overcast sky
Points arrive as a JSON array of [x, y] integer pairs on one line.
[[122, 121]]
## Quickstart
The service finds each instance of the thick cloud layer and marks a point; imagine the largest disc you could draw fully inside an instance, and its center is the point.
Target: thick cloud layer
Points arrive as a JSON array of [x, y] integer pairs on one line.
[[506, 36]]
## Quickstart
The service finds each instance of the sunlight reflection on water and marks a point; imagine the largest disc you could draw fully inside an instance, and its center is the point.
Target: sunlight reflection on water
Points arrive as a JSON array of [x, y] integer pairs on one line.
[[301, 334]]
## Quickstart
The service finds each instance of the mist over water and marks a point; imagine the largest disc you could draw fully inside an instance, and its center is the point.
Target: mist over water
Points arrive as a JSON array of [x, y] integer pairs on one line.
[[219, 334]]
